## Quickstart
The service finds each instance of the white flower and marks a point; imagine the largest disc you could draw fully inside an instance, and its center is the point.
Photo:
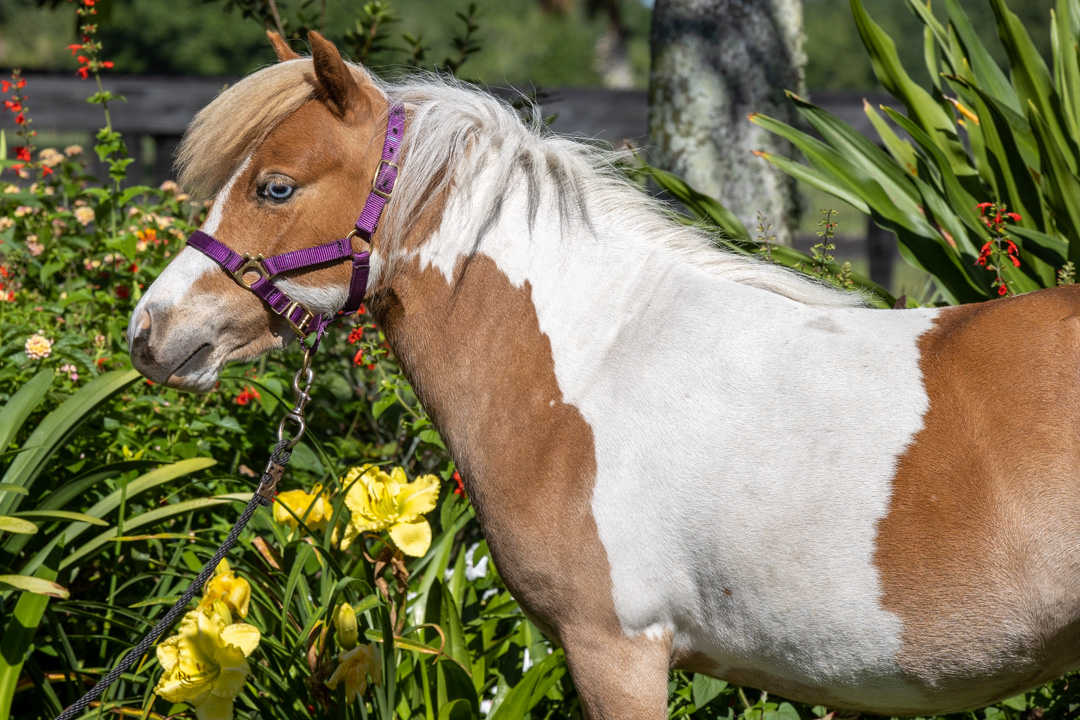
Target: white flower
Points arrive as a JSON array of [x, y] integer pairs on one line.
[[38, 347]]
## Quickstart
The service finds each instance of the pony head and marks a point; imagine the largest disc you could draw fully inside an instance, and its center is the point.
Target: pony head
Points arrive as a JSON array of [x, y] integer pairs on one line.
[[286, 158]]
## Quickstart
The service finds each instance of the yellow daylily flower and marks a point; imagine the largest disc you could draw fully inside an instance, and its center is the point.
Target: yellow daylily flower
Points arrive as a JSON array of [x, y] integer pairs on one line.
[[229, 588], [299, 501], [380, 501], [354, 667], [205, 663], [345, 626]]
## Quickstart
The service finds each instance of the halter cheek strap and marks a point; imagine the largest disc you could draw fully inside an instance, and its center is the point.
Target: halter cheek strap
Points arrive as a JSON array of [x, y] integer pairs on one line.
[[255, 272]]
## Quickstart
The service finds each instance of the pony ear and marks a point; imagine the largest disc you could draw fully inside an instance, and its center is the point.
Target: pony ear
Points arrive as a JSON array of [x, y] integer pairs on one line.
[[330, 69], [281, 48]]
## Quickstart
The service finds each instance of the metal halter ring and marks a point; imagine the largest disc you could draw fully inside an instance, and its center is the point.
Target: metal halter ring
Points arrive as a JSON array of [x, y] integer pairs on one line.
[[250, 264]]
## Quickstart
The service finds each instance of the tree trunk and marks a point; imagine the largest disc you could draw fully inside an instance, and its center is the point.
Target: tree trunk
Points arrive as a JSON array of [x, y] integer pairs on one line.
[[713, 63]]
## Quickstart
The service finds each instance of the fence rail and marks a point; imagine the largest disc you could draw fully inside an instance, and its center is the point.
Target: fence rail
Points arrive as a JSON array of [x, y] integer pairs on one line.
[[157, 109]]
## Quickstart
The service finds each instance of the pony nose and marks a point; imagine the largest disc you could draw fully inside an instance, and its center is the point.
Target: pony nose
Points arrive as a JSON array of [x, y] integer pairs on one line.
[[142, 357], [139, 330]]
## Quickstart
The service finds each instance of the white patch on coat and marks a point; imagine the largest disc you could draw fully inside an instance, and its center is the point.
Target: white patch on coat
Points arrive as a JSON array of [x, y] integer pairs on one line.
[[739, 501], [317, 299]]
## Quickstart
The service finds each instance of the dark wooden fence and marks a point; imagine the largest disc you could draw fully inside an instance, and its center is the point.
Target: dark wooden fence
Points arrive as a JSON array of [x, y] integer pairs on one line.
[[158, 108]]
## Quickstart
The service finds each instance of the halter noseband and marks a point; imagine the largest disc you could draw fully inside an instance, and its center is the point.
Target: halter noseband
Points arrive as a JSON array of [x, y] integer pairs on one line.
[[302, 320]]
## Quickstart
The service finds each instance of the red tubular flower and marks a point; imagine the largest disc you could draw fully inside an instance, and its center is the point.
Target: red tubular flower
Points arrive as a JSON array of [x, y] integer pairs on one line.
[[981, 207], [5, 86], [247, 395], [46, 171], [356, 335], [23, 154], [107, 64], [21, 84], [12, 105], [460, 489], [1014, 217], [83, 72], [1003, 289], [74, 49], [358, 358], [20, 119]]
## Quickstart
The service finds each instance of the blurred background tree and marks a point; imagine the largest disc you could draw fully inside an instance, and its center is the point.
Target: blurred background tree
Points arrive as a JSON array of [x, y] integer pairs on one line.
[[713, 63]]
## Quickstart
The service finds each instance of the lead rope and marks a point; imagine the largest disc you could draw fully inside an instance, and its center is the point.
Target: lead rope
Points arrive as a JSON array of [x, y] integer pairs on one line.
[[264, 496]]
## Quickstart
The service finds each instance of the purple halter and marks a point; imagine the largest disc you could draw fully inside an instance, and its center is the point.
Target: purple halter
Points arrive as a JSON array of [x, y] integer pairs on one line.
[[301, 319]]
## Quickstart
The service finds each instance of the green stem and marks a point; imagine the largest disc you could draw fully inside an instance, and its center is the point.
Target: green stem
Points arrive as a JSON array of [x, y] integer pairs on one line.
[[113, 576]]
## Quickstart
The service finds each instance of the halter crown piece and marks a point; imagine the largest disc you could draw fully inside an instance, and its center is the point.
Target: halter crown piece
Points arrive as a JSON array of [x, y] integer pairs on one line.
[[301, 319]]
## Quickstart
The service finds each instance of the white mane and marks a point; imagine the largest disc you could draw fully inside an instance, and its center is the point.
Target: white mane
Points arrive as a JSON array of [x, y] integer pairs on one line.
[[456, 130]]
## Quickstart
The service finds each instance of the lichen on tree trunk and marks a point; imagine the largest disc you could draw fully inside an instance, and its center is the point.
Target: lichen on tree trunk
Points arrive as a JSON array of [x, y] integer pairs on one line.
[[713, 63]]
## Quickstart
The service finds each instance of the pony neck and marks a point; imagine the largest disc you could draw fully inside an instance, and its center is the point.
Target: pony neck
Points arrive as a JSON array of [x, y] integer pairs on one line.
[[490, 314]]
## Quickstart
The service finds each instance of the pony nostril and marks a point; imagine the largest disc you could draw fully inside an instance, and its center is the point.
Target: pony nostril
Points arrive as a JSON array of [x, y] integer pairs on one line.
[[139, 329], [144, 322]]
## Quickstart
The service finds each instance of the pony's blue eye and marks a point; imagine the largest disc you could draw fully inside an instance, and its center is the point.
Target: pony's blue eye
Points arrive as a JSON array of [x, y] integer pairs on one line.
[[277, 191]]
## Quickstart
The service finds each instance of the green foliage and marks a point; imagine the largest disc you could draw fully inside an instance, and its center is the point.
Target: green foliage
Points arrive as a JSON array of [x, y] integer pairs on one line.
[[733, 235], [976, 136]]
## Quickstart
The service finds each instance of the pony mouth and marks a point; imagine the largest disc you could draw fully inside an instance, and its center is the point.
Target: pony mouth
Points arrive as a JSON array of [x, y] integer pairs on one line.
[[193, 373]]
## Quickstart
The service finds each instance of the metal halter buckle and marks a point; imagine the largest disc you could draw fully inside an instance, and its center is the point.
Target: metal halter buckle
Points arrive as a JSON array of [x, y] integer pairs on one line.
[[251, 264], [375, 183], [301, 328]]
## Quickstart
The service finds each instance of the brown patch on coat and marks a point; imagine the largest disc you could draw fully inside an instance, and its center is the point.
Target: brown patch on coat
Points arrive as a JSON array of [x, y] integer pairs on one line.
[[980, 553], [474, 352]]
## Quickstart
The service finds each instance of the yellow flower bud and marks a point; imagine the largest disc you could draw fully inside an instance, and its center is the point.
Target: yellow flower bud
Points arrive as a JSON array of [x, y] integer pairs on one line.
[[345, 625]]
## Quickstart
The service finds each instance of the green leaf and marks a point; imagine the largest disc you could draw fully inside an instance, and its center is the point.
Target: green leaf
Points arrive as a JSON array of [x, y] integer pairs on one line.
[[432, 437], [137, 521], [57, 425], [61, 515], [1017, 702], [987, 72], [21, 404], [701, 205], [1060, 185], [19, 633], [7, 487], [532, 688], [15, 525], [705, 689], [815, 178], [36, 585], [382, 404], [459, 709], [921, 106], [901, 150], [1033, 80]]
